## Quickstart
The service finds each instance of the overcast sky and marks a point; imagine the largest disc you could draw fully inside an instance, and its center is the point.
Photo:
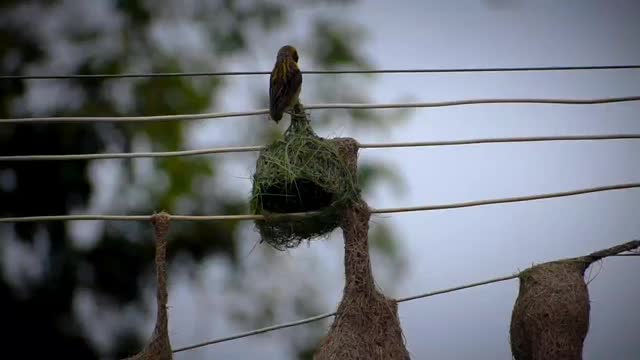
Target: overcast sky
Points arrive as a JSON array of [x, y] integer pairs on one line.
[[454, 247]]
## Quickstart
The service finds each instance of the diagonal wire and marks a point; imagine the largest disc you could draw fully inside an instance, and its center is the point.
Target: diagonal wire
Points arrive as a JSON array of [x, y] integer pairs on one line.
[[409, 298], [508, 200], [629, 246], [330, 314], [371, 71], [362, 146], [156, 118], [305, 214], [159, 154]]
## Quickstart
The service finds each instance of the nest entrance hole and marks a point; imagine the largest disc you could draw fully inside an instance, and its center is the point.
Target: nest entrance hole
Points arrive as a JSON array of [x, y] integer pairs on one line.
[[300, 195]]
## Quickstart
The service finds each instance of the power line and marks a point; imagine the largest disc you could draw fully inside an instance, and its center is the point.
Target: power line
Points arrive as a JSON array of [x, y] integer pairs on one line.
[[303, 214], [508, 200], [372, 71], [599, 254], [154, 118], [501, 140], [161, 154], [257, 331], [327, 315], [221, 150]]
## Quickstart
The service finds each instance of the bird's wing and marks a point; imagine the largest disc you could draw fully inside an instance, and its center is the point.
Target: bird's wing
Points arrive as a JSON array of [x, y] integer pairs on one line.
[[286, 80]]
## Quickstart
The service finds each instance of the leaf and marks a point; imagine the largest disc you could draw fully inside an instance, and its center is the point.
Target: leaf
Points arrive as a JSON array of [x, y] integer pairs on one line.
[[333, 44], [370, 174]]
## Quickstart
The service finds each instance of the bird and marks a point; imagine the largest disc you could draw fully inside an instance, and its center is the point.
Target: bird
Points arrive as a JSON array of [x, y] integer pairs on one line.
[[285, 83]]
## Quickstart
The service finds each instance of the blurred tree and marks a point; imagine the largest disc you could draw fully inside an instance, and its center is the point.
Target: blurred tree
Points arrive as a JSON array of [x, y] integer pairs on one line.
[[52, 269]]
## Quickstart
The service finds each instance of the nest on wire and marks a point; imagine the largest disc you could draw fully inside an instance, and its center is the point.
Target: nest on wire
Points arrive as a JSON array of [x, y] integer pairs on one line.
[[550, 319], [366, 325], [158, 346], [303, 173]]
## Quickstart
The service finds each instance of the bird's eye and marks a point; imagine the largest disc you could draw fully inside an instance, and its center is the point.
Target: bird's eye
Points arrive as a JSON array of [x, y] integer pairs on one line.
[[295, 56]]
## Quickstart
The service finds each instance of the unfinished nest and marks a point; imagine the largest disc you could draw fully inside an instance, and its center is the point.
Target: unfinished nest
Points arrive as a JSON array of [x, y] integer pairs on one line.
[[366, 325], [303, 173], [550, 319], [159, 345]]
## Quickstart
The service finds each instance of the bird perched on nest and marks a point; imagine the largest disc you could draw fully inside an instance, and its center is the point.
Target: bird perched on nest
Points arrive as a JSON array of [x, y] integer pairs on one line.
[[285, 83]]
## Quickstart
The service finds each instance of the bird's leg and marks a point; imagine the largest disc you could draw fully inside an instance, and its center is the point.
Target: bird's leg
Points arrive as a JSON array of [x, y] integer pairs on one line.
[[292, 110], [295, 110], [299, 118]]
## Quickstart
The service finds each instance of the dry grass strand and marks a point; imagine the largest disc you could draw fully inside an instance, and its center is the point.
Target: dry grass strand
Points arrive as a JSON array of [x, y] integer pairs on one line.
[[159, 346], [366, 325]]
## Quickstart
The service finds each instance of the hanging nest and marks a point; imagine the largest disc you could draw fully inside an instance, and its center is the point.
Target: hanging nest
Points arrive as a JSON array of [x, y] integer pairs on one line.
[[303, 173], [366, 325], [159, 345], [550, 318]]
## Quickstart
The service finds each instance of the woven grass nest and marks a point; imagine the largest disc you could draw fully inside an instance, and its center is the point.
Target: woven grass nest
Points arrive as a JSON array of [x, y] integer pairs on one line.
[[302, 173], [366, 325], [550, 319]]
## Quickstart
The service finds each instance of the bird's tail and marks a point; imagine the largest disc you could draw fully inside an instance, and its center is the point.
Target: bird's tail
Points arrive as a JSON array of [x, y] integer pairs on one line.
[[275, 116]]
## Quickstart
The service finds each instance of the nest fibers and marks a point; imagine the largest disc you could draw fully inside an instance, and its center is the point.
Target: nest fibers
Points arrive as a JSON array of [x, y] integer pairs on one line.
[[366, 325], [159, 346], [550, 319], [303, 173]]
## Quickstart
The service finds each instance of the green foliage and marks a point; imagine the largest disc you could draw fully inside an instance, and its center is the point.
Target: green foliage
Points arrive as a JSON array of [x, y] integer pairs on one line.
[[333, 47], [371, 173], [112, 266], [135, 10], [336, 47]]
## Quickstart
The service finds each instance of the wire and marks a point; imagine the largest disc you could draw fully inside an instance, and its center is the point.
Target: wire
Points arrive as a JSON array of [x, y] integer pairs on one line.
[[595, 256], [327, 315], [362, 146], [77, 217], [500, 140], [457, 288], [380, 71], [256, 332], [154, 118], [132, 155], [507, 200], [305, 214], [136, 217]]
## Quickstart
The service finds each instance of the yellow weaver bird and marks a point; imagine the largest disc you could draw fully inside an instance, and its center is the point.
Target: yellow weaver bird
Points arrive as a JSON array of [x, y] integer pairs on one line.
[[285, 83]]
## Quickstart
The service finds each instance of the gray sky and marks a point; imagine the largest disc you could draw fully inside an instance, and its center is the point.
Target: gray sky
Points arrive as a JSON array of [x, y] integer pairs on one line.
[[458, 246], [453, 247], [443, 248]]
